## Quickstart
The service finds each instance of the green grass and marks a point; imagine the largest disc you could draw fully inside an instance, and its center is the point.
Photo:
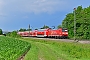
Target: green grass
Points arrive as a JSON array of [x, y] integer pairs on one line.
[[11, 48], [54, 50]]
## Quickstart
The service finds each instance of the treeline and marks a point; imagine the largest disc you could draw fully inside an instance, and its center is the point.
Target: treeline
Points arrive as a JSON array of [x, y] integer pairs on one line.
[[1, 32], [23, 29], [82, 19], [10, 34]]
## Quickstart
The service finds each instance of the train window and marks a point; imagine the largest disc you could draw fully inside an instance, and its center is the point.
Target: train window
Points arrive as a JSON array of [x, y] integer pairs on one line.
[[64, 30], [41, 30]]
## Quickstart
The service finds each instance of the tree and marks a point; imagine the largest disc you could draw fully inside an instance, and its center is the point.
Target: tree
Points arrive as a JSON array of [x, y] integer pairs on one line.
[[45, 27], [21, 29], [29, 30], [82, 23], [1, 32], [59, 26]]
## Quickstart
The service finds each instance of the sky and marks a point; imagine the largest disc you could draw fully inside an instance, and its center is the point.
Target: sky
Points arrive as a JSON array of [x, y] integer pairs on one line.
[[16, 14]]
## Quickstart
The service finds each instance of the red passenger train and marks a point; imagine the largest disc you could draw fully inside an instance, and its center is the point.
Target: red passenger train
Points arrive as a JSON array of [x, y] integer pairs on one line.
[[52, 33]]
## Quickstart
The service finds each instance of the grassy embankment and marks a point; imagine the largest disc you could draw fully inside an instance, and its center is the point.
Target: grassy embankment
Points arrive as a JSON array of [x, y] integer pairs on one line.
[[54, 50]]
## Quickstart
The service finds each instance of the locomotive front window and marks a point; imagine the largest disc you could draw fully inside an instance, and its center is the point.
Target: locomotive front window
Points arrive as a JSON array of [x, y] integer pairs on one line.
[[64, 30]]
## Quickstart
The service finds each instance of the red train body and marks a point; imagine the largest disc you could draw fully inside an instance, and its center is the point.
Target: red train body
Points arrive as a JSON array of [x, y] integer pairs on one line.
[[58, 33]]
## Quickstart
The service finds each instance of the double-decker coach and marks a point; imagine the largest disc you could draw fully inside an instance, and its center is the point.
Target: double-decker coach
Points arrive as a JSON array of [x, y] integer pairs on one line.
[[42, 32]]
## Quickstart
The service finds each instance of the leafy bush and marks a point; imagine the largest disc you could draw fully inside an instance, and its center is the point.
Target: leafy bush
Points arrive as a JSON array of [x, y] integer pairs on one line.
[[13, 34]]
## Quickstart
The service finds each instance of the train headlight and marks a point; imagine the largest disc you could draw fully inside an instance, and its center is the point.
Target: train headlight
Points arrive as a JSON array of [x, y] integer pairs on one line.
[[66, 33]]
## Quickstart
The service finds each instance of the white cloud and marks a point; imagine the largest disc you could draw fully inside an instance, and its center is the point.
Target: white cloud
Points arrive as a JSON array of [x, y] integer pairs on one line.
[[38, 6], [35, 6]]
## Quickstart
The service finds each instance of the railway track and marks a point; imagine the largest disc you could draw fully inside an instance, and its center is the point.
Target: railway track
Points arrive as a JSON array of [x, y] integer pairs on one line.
[[65, 40]]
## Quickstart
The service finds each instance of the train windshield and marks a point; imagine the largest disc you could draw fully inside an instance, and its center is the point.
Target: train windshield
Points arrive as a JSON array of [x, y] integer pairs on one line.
[[64, 30]]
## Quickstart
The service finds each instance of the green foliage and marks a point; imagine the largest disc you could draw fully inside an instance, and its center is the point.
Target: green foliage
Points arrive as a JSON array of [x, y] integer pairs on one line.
[[59, 26], [82, 23], [11, 48], [44, 27], [22, 29], [0, 31], [13, 34], [29, 30]]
